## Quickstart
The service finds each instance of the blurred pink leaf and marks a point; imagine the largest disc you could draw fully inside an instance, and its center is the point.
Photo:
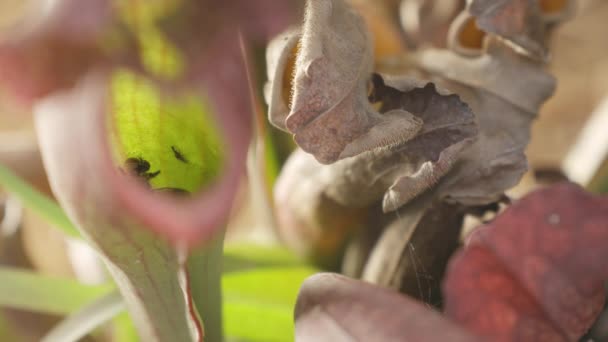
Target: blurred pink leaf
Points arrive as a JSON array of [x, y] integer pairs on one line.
[[49, 46], [63, 67], [73, 140]]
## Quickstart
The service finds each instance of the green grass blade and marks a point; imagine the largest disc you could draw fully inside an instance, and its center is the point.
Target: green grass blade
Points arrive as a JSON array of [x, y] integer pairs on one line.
[[29, 291], [82, 322], [36, 201]]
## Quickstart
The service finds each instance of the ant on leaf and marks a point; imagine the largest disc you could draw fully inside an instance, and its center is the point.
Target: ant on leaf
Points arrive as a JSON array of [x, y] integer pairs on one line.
[[139, 167]]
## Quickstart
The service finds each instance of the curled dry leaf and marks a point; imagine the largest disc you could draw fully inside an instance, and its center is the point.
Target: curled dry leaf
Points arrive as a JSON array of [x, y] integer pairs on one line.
[[519, 21], [331, 307], [280, 62], [408, 169], [318, 230], [448, 128], [464, 37], [505, 91], [405, 170], [330, 115], [468, 32], [469, 148], [413, 250], [327, 203], [536, 272], [498, 82]]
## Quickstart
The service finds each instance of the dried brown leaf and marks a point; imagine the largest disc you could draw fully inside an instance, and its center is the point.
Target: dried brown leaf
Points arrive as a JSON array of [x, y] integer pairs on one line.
[[319, 229], [331, 117], [505, 91], [449, 128], [408, 169], [280, 63], [412, 253], [519, 21]]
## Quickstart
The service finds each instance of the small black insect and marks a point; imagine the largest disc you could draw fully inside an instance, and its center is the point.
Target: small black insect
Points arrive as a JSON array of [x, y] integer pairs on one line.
[[174, 191], [178, 155], [139, 167]]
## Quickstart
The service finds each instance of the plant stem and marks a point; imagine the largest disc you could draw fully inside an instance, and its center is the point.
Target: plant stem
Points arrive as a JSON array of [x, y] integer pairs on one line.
[[205, 271]]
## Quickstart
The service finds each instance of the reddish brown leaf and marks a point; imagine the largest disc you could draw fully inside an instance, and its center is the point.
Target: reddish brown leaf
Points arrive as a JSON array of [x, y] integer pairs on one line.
[[536, 273], [331, 307], [31, 71]]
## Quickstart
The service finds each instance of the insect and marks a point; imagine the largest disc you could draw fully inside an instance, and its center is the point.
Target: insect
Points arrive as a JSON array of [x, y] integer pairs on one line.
[[139, 167], [173, 191], [179, 155]]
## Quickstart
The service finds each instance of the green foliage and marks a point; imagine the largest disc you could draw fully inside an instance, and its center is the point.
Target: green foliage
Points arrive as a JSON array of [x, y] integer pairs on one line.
[[260, 284], [259, 303], [150, 126], [260, 287], [36, 201], [239, 257], [158, 55], [29, 291], [87, 319], [123, 329]]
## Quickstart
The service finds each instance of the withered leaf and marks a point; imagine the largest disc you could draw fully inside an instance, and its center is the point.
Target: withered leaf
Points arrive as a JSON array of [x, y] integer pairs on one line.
[[305, 187], [519, 21], [536, 273], [413, 250], [331, 117], [406, 170], [505, 91], [331, 307], [449, 128], [500, 71], [280, 62], [319, 229]]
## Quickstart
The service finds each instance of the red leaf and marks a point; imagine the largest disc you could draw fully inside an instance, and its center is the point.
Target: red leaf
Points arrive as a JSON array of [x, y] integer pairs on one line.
[[332, 307], [536, 273]]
